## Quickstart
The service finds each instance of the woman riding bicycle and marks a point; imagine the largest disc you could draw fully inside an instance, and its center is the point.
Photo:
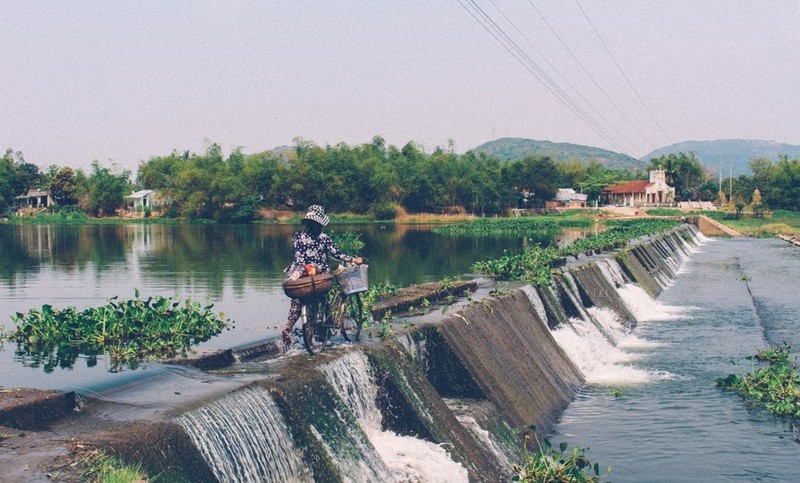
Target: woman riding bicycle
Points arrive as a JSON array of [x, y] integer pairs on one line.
[[311, 249]]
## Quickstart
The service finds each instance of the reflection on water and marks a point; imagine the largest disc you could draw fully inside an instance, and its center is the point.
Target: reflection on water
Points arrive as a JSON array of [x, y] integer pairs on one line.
[[238, 268]]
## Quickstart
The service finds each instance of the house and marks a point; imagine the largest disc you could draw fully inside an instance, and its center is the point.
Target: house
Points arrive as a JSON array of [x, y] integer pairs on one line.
[[655, 192], [139, 200], [567, 198], [34, 199]]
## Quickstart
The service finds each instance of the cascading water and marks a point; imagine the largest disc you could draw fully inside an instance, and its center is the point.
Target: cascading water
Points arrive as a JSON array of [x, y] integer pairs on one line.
[[406, 458], [683, 428], [600, 315], [244, 438]]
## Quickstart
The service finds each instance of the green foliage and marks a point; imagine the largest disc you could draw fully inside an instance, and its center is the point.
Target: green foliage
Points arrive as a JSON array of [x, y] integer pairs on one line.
[[683, 171], [349, 242], [501, 228], [557, 465], [98, 466], [533, 263], [128, 331], [56, 217], [107, 190], [775, 386], [664, 212]]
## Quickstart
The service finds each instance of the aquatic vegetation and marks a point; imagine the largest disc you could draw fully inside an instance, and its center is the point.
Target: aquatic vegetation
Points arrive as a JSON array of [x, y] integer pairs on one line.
[[775, 386], [501, 227], [515, 227], [533, 264], [127, 331], [348, 241], [547, 465]]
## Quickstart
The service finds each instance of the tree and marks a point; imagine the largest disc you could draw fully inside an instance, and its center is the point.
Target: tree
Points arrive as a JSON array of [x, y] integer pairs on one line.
[[536, 175], [683, 171], [63, 187], [106, 190]]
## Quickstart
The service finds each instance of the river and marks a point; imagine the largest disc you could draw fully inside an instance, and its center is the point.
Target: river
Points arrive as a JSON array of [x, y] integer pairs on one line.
[[238, 268], [732, 298]]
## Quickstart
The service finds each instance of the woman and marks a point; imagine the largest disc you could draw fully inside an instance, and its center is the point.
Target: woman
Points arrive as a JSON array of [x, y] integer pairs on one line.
[[311, 247]]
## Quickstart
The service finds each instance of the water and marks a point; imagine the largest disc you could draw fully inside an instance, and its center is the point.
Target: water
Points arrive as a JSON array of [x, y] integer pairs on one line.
[[238, 268], [731, 299], [407, 458], [243, 438]]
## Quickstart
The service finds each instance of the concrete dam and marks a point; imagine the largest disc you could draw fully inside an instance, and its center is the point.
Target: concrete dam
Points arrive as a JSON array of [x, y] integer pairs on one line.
[[444, 400]]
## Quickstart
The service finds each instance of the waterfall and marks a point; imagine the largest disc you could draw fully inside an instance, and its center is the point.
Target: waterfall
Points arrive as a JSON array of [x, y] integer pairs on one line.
[[438, 401], [407, 458], [244, 438]]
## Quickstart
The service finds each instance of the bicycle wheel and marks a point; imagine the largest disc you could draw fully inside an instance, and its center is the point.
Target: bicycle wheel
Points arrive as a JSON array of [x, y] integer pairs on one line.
[[350, 316], [317, 325]]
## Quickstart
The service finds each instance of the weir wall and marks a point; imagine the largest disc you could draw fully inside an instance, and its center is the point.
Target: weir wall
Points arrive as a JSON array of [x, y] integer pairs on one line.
[[465, 383]]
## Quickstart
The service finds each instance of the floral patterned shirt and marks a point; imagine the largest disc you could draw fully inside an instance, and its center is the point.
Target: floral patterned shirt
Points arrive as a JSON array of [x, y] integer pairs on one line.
[[308, 249]]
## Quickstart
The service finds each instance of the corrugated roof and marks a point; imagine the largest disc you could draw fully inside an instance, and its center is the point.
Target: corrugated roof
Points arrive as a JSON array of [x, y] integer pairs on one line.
[[636, 186]]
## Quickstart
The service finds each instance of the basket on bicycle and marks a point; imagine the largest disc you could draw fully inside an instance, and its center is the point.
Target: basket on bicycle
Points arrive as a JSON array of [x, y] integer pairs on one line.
[[305, 287], [352, 279]]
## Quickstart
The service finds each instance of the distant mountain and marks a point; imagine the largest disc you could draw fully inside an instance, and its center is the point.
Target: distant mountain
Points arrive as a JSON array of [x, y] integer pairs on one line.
[[727, 152], [517, 148]]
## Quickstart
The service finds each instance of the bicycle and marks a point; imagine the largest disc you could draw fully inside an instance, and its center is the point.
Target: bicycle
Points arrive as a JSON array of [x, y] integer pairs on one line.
[[325, 313]]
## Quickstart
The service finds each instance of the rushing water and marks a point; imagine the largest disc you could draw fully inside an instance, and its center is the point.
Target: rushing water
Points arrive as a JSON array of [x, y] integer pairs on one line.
[[731, 299]]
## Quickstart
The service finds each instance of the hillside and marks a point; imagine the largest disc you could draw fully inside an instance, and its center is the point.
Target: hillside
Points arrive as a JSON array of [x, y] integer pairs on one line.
[[739, 152], [518, 148]]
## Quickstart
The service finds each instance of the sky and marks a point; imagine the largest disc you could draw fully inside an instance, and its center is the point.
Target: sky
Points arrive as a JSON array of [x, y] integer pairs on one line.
[[119, 82]]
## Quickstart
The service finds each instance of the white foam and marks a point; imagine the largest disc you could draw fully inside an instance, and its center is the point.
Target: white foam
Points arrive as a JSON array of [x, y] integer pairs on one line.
[[408, 459], [598, 359], [646, 309]]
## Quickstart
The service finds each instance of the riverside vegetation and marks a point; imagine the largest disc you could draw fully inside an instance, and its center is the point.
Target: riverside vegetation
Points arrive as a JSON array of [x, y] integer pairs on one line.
[[551, 465], [126, 331], [775, 386], [533, 263]]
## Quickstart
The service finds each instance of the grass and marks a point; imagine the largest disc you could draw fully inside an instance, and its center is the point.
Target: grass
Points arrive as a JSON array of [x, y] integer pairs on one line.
[[779, 222], [98, 466]]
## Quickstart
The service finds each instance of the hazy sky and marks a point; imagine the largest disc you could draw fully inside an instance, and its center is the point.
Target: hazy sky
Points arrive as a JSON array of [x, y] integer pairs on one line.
[[121, 81]]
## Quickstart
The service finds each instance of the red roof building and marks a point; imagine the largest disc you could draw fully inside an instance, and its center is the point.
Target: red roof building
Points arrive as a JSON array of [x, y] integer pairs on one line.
[[655, 192]]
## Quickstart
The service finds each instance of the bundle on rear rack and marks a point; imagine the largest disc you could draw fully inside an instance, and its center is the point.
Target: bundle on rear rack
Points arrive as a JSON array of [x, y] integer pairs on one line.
[[306, 287]]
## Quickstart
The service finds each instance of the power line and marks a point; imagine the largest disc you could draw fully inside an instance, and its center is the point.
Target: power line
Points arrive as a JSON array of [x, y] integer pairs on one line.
[[623, 74], [532, 67], [591, 77], [565, 80]]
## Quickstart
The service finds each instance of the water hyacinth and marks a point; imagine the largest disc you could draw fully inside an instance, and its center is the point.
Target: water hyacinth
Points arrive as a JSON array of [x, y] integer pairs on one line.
[[775, 386], [532, 264], [128, 331]]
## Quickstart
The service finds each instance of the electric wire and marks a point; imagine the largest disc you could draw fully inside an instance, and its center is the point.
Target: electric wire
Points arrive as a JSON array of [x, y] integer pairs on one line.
[[623, 74], [534, 69], [567, 82], [633, 125]]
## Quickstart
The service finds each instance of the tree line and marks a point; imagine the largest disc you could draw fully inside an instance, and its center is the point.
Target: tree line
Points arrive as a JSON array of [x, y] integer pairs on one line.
[[373, 179]]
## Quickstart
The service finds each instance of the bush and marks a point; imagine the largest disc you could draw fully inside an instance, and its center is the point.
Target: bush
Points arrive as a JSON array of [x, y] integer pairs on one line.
[[383, 211]]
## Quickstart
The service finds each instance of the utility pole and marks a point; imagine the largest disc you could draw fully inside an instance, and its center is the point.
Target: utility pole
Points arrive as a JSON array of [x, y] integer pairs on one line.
[[730, 180]]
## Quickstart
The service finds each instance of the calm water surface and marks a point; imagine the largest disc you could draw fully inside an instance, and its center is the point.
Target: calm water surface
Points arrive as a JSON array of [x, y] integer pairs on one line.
[[741, 296], [238, 268]]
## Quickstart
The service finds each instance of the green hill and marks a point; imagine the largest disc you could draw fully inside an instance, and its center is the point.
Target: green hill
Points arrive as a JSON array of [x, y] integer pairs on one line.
[[727, 153], [508, 149]]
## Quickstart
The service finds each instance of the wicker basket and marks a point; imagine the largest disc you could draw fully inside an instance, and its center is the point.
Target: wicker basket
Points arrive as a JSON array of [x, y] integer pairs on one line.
[[305, 287], [352, 279]]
